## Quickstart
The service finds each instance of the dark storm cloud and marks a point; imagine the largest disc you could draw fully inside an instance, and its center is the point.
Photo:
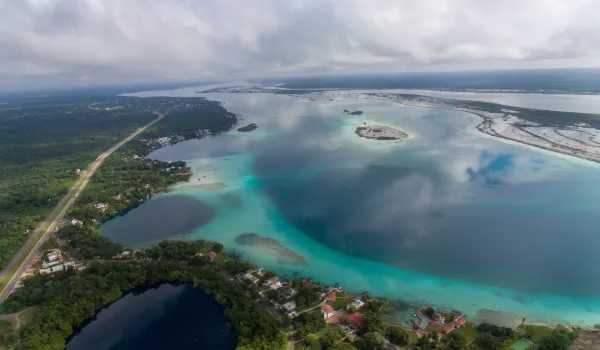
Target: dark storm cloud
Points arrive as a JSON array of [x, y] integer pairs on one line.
[[66, 41]]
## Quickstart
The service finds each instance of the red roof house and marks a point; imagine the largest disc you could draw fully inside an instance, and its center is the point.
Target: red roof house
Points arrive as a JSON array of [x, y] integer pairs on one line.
[[327, 310], [330, 296], [212, 256], [356, 318]]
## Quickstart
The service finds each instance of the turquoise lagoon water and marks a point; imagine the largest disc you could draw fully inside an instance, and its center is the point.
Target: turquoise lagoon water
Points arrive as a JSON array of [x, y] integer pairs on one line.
[[448, 218]]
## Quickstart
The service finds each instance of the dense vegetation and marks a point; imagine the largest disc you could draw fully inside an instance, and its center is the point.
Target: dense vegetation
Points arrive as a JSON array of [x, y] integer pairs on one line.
[[69, 299], [41, 146]]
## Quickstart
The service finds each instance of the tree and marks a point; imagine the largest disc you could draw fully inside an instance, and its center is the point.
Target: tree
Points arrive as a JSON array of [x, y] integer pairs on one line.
[[429, 312], [487, 341], [372, 323], [309, 322], [398, 336], [269, 274], [330, 337], [372, 341], [560, 339], [454, 341], [218, 247]]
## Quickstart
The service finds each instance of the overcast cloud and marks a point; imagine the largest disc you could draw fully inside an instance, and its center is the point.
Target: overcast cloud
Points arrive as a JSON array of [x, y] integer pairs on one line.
[[70, 41]]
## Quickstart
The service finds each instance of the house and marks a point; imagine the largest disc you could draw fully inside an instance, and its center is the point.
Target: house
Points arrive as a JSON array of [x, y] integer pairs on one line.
[[330, 296], [47, 264], [76, 222], [212, 256], [101, 206], [357, 303], [290, 306], [327, 310], [274, 283], [357, 319], [117, 197], [459, 321], [54, 254], [124, 255], [251, 278], [53, 258]]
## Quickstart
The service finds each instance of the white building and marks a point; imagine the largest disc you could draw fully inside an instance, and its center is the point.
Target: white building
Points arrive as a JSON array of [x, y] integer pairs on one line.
[[357, 303], [76, 222], [273, 283], [290, 306], [327, 310]]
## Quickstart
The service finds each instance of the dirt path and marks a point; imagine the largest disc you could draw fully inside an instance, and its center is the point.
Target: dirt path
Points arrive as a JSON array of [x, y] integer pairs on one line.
[[57, 214]]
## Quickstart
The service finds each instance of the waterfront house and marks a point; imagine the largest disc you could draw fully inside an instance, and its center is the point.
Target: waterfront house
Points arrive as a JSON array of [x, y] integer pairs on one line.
[[456, 323], [212, 256], [273, 283], [330, 296], [76, 222], [327, 310], [357, 319], [101, 206], [357, 303]]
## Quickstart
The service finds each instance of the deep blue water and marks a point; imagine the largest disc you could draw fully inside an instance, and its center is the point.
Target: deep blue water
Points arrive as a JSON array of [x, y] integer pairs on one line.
[[157, 219], [164, 317]]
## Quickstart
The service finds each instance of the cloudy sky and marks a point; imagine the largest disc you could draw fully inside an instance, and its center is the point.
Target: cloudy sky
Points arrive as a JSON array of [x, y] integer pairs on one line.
[[66, 42]]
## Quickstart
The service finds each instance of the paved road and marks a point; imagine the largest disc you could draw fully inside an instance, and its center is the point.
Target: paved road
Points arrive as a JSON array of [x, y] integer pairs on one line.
[[69, 199]]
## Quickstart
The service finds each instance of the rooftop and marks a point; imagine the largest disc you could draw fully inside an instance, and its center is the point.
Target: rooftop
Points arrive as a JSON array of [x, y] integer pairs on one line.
[[326, 308], [356, 318]]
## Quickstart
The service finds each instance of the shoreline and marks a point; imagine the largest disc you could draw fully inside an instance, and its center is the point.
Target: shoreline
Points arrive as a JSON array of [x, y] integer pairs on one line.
[[485, 128]]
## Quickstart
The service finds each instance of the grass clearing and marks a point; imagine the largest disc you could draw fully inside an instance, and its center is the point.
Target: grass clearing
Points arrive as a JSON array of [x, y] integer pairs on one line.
[[412, 335], [536, 333], [341, 303], [26, 316], [468, 331]]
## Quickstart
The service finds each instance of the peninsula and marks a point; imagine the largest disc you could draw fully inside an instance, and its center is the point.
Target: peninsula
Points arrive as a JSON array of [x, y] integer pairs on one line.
[[573, 134]]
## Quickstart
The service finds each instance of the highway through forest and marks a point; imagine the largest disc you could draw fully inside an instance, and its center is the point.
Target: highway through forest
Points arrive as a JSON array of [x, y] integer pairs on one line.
[[41, 233]]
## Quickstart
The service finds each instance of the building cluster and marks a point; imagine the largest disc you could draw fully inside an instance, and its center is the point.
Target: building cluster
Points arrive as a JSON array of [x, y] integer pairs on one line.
[[438, 321], [53, 261]]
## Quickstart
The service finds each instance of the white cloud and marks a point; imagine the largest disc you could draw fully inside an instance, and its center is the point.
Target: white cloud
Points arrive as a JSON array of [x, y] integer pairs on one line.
[[133, 40]]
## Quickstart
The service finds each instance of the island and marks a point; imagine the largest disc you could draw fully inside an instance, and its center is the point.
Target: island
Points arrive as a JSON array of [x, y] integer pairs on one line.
[[247, 128], [353, 113], [380, 132]]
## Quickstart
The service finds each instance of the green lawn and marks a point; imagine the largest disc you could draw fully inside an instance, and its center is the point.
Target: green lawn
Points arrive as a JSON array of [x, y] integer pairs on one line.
[[468, 331], [536, 332], [27, 315], [341, 303], [412, 335], [327, 326], [5, 328]]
